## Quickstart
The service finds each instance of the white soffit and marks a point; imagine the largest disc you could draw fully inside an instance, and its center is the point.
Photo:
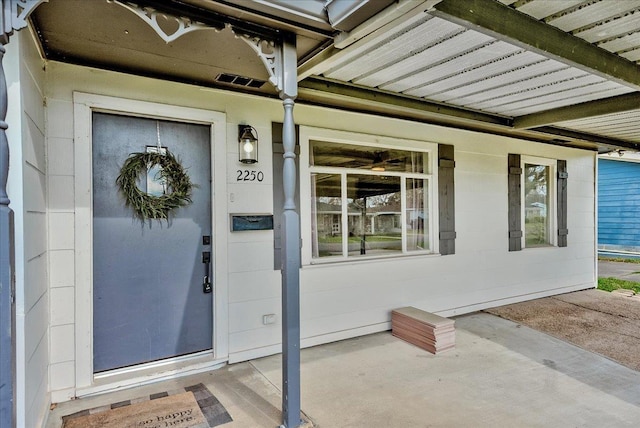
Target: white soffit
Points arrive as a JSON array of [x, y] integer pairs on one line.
[[623, 126], [432, 58]]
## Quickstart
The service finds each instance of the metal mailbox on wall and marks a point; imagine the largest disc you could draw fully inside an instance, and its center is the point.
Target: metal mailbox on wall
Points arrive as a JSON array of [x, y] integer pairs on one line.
[[242, 222]]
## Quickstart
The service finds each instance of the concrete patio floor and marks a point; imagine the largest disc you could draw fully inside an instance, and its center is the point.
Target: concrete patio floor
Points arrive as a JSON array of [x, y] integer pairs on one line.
[[500, 374]]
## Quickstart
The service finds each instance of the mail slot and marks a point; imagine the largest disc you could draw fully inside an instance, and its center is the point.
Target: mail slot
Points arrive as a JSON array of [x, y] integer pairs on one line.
[[251, 222]]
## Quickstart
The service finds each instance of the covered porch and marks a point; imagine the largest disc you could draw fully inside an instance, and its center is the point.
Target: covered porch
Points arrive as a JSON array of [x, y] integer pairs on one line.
[[484, 92]]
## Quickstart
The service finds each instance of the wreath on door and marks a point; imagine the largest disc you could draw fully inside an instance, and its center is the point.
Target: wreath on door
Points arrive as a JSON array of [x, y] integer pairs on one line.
[[177, 184]]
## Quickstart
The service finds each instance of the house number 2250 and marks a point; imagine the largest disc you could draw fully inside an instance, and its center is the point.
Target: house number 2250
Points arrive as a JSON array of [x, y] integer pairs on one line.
[[246, 175]]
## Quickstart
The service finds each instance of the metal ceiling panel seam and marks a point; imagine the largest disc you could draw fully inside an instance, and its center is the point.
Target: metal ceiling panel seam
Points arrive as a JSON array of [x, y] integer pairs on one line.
[[588, 13], [542, 9], [590, 92], [633, 55], [533, 65], [451, 64], [487, 54], [528, 83], [609, 121], [549, 87], [439, 52], [498, 67], [629, 42], [611, 28]]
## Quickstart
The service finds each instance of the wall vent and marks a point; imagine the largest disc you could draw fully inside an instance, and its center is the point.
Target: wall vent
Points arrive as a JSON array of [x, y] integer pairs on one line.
[[232, 79]]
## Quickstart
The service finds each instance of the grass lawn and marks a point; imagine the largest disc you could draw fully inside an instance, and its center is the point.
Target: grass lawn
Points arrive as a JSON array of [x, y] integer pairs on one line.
[[610, 284], [620, 259]]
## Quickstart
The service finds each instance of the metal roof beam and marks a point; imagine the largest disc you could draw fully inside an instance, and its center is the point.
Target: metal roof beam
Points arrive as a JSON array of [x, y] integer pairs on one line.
[[604, 143], [351, 97], [389, 99], [601, 107], [505, 23]]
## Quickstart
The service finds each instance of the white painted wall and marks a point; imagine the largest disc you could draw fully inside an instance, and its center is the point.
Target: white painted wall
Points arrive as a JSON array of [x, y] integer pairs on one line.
[[28, 194], [338, 300]]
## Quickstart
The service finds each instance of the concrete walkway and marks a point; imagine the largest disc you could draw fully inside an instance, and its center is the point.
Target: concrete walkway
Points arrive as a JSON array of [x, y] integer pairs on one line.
[[500, 374], [620, 270], [595, 320]]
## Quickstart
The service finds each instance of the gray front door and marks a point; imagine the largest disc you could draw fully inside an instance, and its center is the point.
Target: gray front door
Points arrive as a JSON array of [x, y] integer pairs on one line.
[[148, 297]]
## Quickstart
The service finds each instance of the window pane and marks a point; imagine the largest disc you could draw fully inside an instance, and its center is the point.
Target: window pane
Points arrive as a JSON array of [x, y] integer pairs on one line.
[[417, 215], [368, 158], [374, 208], [536, 203], [326, 221]]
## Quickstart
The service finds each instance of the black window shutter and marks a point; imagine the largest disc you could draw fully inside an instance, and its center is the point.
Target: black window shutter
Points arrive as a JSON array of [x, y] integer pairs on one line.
[[515, 221], [446, 199], [562, 203]]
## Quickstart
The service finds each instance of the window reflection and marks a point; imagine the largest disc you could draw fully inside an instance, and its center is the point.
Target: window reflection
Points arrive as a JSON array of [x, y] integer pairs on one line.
[[536, 202], [374, 207], [369, 158], [380, 211], [326, 221], [417, 215]]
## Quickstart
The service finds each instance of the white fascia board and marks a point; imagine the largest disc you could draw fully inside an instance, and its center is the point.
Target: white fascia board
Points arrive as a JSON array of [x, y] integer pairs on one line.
[[304, 10], [345, 15], [381, 19], [622, 156]]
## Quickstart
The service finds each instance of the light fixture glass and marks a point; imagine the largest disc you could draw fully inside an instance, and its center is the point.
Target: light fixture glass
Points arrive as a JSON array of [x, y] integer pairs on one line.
[[247, 144], [378, 163]]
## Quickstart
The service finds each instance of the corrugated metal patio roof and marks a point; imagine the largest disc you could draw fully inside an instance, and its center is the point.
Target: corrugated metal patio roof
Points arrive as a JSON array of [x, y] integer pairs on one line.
[[438, 60], [440, 53]]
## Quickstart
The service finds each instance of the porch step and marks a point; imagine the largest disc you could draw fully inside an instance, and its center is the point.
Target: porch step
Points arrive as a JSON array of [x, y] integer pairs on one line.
[[425, 330]]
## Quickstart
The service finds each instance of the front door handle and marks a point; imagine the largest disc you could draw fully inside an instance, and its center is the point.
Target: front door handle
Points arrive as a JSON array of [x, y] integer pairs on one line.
[[206, 281]]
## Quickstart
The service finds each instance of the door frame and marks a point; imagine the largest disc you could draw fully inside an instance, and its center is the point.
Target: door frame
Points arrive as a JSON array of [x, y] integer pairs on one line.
[[84, 105]]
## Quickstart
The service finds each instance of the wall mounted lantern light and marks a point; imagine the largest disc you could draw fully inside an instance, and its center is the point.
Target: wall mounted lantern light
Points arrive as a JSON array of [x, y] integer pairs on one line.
[[247, 144]]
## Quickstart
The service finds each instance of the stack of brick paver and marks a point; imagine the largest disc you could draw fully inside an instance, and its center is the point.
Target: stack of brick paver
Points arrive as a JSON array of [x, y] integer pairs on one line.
[[428, 331]]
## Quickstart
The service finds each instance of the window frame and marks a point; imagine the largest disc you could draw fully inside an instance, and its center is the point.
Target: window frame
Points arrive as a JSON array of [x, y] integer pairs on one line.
[[308, 134], [552, 207]]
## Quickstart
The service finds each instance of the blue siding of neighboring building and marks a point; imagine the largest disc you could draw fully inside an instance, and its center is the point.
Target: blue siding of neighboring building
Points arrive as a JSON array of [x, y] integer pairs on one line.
[[618, 205]]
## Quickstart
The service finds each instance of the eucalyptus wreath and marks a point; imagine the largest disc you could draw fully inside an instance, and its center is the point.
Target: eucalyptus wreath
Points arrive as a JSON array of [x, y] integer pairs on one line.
[[147, 206]]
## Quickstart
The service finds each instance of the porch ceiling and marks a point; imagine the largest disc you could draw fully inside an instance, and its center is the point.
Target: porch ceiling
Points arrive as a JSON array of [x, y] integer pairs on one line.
[[564, 68], [565, 72]]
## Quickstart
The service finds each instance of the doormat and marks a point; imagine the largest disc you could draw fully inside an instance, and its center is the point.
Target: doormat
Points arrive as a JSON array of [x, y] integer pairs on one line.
[[190, 407]]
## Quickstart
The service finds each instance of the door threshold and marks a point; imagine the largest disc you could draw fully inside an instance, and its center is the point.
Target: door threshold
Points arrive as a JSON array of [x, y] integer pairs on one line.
[[155, 371]]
